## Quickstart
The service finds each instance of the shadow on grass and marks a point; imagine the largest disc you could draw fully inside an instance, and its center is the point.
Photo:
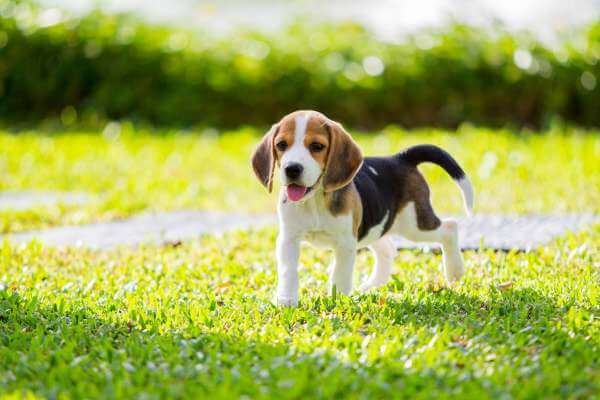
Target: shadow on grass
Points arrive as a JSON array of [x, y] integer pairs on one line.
[[61, 349], [509, 310]]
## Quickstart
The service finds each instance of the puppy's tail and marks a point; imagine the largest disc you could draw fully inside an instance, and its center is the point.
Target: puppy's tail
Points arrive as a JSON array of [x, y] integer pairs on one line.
[[416, 155]]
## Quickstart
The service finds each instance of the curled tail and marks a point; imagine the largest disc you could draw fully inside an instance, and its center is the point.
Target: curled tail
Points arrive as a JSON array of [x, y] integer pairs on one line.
[[415, 155]]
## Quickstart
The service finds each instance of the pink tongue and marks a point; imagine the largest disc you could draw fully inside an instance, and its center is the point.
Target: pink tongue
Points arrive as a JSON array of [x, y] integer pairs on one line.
[[295, 192]]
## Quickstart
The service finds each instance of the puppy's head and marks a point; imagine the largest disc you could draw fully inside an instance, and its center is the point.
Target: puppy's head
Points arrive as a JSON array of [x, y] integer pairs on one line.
[[311, 150]]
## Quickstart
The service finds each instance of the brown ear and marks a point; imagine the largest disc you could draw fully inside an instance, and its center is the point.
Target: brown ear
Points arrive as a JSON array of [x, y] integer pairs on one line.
[[344, 158], [263, 159]]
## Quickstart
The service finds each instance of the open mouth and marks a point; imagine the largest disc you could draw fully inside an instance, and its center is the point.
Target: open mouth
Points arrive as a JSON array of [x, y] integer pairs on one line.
[[297, 192]]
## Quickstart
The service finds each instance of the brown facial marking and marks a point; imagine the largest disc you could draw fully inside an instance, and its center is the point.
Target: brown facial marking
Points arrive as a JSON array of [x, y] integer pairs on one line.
[[316, 139], [283, 141], [285, 135]]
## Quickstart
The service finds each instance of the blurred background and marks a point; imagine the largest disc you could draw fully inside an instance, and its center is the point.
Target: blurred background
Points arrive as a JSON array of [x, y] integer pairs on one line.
[[230, 63]]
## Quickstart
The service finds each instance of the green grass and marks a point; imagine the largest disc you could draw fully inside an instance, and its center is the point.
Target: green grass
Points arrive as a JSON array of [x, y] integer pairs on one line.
[[556, 171], [196, 321]]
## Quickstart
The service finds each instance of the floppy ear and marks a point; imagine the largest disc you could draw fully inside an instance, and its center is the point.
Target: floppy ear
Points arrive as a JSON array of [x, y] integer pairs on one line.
[[344, 158], [263, 159]]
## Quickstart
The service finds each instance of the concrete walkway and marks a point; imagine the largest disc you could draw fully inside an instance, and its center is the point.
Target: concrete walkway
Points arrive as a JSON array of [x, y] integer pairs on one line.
[[502, 232], [144, 229]]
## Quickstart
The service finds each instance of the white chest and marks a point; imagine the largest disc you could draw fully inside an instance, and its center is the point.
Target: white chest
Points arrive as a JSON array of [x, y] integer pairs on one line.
[[311, 221]]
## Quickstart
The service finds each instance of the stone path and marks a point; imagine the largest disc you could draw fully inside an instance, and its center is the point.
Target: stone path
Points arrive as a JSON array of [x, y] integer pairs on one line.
[[23, 200], [144, 229], [491, 231]]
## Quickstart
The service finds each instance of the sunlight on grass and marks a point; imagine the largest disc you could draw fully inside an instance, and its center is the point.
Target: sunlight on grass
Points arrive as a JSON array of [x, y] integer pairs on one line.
[[197, 320], [143, 171]]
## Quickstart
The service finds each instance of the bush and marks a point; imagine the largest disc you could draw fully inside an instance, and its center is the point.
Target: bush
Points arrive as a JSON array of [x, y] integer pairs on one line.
[[116, 67]]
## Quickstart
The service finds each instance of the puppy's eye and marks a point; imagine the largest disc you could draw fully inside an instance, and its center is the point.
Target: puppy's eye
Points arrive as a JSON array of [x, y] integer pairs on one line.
[[316, 147], [281, 146]]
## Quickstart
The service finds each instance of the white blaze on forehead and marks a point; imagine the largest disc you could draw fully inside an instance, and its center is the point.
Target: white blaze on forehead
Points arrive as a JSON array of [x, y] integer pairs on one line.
[[300, 131], [298, 152]]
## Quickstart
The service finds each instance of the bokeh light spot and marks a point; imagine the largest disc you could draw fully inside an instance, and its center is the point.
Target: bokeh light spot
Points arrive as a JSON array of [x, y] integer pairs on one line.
[[373, 65], [588, 80], [523, 58]]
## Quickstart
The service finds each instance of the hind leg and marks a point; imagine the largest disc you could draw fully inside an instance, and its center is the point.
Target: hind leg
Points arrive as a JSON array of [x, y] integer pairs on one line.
[[418, 222], [384, 251]]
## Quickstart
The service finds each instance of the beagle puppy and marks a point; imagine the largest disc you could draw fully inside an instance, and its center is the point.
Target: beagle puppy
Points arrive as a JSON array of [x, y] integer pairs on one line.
[[332, 196]]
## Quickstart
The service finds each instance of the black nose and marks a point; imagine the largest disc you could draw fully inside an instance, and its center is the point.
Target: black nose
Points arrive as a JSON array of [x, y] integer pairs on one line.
[[293, 170]]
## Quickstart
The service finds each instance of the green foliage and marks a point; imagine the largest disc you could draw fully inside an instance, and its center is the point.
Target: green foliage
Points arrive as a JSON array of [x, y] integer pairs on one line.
[[140, 170], [114, 67], [196, 321]]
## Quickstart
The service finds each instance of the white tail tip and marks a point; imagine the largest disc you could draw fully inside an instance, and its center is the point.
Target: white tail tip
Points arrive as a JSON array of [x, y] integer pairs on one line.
[[467, 193]]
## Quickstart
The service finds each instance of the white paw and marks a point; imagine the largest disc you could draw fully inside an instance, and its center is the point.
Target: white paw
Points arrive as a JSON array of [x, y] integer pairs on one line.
[[284, 301]]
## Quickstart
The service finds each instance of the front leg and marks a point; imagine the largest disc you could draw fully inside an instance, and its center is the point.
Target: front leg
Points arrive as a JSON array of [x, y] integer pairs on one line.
[[288, 252], [343, 267]]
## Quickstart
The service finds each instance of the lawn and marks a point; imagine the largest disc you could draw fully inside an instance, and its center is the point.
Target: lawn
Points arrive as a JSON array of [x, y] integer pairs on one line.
[[197, 320]]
